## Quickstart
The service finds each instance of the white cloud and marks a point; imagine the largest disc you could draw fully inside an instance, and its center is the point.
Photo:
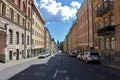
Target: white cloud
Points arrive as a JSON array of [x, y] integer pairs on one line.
[[75, 4], [54, 11]]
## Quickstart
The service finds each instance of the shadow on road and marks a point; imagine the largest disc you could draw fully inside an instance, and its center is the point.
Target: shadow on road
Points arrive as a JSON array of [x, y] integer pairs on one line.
[[37, 72]]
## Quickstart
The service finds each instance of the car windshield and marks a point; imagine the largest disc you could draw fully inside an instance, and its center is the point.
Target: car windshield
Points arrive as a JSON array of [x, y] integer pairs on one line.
[[95, 54]]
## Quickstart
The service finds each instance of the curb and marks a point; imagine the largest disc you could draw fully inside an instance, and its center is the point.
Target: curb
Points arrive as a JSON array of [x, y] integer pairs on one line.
[[111, 66], [7, 65]]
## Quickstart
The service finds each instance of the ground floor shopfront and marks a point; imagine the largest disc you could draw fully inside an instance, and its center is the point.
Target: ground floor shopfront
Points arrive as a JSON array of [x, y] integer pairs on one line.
[[109, 45]]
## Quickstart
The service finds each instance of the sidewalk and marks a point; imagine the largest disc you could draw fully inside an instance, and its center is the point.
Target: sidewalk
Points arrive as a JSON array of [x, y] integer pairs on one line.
[[114, 65], [13, 63]]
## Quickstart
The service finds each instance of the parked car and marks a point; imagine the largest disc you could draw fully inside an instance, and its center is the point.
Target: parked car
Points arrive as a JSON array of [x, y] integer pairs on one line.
[[91, 57], [80, 56], [45, 54], [73, 54]]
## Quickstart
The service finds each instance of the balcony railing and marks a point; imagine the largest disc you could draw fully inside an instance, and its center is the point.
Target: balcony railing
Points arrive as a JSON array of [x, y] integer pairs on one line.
[[106, 31], [104, 8], [108, 5]]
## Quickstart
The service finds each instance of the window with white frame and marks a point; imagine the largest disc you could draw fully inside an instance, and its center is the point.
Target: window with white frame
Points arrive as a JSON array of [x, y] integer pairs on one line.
[[107, 43], [112, 43]]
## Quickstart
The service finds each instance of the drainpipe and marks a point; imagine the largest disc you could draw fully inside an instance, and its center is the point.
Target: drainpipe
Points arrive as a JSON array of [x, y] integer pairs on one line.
[[92, 24], [88, 21]]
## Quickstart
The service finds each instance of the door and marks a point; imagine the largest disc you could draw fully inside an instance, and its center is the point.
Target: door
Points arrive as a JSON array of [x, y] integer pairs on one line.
[[17, 57]]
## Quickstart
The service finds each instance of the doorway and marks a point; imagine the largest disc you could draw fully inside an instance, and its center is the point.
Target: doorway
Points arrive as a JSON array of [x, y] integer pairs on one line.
[[17, 57]]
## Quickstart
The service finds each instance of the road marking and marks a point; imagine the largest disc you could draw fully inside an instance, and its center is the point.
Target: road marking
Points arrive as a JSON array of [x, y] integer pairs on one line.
[[55, 73], [63, 71]]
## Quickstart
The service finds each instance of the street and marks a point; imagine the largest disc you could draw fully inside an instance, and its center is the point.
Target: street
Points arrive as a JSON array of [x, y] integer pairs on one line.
[[59, 67]]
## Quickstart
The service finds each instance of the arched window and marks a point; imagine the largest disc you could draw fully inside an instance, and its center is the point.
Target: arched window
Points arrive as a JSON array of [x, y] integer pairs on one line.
[[22, 38], [10, 36], [107, 45], [17, 38], [28, 40], [112, 42]]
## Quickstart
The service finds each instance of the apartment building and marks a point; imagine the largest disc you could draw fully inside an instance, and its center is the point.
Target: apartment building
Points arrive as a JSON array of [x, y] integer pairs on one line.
[[65, 46], [107, 28], [37, 31], [85, 27], [71, 43], [15, 29], [47, 40]]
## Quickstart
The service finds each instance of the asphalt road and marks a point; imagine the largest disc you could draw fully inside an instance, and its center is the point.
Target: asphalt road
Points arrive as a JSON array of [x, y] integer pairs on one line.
[[59, 67]]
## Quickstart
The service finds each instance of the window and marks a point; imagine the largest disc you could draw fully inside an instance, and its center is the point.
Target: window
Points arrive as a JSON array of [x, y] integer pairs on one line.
[[17, 38], [18, 18], [32, 41], [3, 8], [32, 12], [11, 36], [111, 20], [29, 11], [105, 22], [24, 9], [28, 40], [11, 14], [22, 38], [99, 25], [32, 21], [29, 25], [112, 43], [32, 31], [107, 43], [19, 3], [95, 11], [23, 21]]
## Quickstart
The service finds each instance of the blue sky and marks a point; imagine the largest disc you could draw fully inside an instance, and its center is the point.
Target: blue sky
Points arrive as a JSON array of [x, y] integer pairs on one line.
[[59, 15]]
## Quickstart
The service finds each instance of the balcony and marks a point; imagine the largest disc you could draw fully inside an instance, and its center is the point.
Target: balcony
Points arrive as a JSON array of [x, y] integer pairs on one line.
[[106, 31], [104, 8], [108, 5]]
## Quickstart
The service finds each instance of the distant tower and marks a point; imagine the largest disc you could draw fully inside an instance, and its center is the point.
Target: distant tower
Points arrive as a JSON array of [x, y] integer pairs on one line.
[[58, 44]]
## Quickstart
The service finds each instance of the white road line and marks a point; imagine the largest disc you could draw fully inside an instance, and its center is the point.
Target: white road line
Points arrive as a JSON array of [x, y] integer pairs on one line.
[[55, 73]]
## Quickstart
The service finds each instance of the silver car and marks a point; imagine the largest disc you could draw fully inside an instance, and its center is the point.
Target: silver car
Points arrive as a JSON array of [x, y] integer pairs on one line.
[[91, 57]]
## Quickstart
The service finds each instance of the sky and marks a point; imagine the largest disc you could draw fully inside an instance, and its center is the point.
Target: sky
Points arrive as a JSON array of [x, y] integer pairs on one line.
[[58, 15]]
